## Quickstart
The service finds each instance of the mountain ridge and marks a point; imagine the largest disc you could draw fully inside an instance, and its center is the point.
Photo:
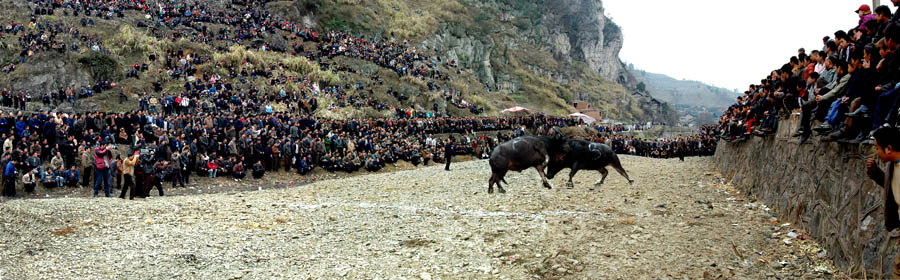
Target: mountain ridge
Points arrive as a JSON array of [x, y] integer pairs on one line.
[[685, 92]]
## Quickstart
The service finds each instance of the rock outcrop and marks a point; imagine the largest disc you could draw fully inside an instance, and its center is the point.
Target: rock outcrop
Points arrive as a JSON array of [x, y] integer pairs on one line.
[[824, 187], [575, 31], [47, 72], [468, 50], [578, 30], [557, 40]]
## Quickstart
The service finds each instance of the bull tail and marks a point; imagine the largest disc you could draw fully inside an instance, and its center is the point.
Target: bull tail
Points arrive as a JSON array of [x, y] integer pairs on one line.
[[617, 165]]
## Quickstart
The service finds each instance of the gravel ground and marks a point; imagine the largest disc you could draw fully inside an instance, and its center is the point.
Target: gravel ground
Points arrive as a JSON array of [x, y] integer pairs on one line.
[[678, 221]]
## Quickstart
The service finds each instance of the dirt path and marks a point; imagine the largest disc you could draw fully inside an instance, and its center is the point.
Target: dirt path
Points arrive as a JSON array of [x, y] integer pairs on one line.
[[679, 221]]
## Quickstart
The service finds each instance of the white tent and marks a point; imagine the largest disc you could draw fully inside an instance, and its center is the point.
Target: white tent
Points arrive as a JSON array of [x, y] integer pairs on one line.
[[587, 119], [515, 109]]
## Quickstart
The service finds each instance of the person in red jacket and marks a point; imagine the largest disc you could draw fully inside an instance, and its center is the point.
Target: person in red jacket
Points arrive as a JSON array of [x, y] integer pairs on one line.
[[102, 161], [213, 167]]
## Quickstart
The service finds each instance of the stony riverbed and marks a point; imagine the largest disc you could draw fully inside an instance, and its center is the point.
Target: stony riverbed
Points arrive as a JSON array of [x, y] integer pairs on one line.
[[680, 220]]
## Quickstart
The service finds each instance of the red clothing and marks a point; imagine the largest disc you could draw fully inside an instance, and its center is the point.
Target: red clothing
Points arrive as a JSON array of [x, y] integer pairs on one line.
[[212, 165], [811, 68]]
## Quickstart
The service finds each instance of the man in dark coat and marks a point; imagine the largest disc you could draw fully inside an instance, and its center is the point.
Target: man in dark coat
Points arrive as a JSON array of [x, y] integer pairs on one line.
[[448, 153], [887, 143]]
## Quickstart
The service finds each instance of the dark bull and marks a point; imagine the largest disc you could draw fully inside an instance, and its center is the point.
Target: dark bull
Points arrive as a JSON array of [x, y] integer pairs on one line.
[[522, 153], [580, 154]]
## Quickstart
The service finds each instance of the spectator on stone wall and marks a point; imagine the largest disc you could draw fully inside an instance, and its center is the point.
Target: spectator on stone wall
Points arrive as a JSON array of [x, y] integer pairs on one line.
[[887, 139]]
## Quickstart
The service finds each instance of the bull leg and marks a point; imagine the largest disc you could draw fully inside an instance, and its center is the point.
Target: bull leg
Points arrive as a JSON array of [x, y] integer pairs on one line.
[[621, 170], [570, 184], [603, 172], [500, 178], [540, 170], [491, 182]]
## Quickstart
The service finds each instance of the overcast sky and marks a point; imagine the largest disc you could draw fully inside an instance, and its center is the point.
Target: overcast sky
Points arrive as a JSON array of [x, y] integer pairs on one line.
[[730, 44]]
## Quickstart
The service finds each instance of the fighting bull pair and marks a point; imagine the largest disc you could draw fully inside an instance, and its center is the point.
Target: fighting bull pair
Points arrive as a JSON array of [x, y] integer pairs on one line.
[[555, 153]]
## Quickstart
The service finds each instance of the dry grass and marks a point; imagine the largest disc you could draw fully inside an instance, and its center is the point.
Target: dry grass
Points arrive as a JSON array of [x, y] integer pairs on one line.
[[403, 19], [129, 40], [241, 58]]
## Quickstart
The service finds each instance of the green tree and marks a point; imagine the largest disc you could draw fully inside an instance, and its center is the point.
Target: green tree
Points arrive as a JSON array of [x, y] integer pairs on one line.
[[642, 87]]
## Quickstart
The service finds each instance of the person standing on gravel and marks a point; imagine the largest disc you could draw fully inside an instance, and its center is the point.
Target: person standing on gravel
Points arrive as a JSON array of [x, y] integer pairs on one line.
[[887, 143], [448, 153], [187, 161], [117, 168], [9, 179], [128, 175], [101, 174], [87, 162], [176, 167]]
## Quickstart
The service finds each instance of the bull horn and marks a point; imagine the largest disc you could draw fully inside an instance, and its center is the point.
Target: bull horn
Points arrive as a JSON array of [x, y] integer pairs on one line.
[[556, 129]]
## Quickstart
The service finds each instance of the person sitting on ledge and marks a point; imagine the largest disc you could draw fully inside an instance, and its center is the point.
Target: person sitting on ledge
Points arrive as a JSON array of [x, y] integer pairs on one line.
[[823, 98]]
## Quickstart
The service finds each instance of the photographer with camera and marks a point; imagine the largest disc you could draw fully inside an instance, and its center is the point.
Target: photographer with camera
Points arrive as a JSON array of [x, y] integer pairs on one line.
[[160, 173], [144, 173]]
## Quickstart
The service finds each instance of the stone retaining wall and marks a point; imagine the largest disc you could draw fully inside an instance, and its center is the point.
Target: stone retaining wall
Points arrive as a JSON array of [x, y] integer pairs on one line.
[[820, 185]]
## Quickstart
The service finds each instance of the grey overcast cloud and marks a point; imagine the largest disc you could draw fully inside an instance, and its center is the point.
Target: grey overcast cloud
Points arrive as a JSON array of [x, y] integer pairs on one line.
[[730, 44]]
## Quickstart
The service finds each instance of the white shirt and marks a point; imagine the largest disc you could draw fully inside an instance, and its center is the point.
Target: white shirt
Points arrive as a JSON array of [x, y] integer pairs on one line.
[[895, 184], [820, 68]]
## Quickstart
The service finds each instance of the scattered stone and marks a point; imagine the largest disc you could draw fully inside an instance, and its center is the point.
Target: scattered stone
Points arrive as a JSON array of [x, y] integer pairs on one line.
[[382, 226]]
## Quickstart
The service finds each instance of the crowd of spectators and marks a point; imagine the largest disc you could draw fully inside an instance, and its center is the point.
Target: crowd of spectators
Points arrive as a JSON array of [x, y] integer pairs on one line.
[[245, 23], [850, 86], [142, 150], [616, 128], [664, 148], [226, 126]]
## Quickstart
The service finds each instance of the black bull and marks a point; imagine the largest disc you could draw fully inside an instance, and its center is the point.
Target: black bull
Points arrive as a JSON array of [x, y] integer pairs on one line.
[[580, 154], [522, 153]]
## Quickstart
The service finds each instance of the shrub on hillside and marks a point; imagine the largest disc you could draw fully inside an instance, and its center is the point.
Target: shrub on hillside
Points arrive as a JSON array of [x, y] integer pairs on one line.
[[101, 66], [129, 40]]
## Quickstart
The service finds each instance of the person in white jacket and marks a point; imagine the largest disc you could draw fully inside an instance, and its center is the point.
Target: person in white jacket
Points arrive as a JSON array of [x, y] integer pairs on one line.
[[28, 181]]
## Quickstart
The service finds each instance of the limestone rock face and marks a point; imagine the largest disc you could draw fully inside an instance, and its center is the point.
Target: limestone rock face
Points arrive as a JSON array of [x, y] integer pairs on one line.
[[48, 73], [468, 50], [573, 30], [578, 30]]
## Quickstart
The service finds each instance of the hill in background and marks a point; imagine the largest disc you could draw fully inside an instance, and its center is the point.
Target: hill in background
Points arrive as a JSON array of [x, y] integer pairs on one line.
[[685, 92], [496, 54], [697, 99]]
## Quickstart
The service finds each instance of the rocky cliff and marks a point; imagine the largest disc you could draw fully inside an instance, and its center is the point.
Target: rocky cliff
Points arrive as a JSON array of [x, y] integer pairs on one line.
[[578, 30], [823, 187], [542, 54]]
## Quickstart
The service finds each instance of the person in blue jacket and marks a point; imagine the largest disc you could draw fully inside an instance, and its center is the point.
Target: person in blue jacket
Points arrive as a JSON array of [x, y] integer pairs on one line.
[[9, 179]]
